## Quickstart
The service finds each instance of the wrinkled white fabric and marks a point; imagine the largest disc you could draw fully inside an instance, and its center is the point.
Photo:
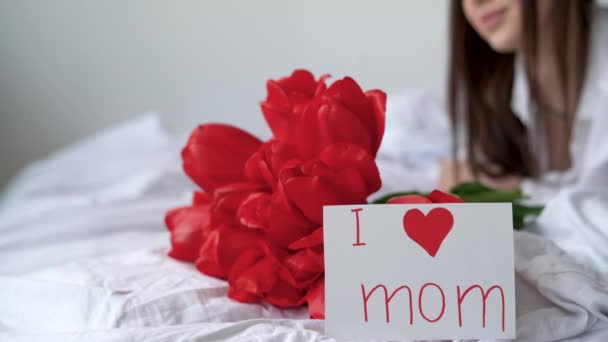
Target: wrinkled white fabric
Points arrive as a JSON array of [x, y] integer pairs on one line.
[[79, 264], [103, 195]]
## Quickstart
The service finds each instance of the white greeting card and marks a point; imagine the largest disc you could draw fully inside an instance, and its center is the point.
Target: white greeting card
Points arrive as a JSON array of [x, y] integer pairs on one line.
[[423, 271]]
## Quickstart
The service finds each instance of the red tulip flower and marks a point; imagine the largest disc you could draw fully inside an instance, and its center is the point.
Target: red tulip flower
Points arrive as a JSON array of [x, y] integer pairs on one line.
[[286, 100], [342, 114], [436, 196], [344, 174], [215, 155], [258, 221]]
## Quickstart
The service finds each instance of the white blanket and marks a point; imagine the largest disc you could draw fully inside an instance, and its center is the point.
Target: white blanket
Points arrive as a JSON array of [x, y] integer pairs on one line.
[[83, 257]]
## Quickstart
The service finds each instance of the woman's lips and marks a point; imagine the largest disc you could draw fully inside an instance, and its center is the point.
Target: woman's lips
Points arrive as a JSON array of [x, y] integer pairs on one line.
[[493, 19]]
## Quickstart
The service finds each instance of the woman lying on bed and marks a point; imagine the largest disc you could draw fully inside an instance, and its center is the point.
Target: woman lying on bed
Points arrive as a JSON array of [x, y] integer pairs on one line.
[[528, 95]]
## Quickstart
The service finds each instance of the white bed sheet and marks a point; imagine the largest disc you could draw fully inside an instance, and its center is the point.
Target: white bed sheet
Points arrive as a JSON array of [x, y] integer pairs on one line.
[[83, 257]]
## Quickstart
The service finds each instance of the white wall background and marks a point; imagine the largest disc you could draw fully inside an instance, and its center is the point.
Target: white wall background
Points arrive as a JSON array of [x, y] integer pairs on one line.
[[71, 67]]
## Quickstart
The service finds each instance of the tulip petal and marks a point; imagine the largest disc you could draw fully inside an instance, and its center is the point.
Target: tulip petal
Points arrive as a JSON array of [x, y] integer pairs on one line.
[[200, 198], [309, 190], [264, 165], [309, 195], [287, 224], [329, 123], [321, 86], [254, 211], [215, 155], [369, 107], [348, 92], [441, 197], [222, 247], [286, 99], [349, 176], [285, 296], [242, 296], [228, 198], [258, 170], [409, 199], [314, 239], [186, 226], [208, 258], [378, 103], [303, 268], [300, 80], [344, 156], [260, 277], [315, 297], [276, 96], [247, 259], [277, 110]]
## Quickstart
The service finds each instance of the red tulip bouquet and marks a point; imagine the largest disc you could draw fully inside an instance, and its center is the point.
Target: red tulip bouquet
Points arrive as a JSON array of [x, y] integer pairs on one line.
[[257, 220]]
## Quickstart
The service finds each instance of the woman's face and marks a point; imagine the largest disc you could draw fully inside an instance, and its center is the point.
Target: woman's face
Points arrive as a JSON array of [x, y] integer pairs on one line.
[[498, 22]]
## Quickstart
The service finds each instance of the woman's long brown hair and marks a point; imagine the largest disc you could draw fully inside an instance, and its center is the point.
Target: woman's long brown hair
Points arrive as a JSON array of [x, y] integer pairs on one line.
[[481, 79]]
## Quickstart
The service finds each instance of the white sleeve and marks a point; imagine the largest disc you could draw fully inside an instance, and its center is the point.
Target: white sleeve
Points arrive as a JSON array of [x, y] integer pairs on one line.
[[541, 190], [594, 173], [417, 135], [590, 170]]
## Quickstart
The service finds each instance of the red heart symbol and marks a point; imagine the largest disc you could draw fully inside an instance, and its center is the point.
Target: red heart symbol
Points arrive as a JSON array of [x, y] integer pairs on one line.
[[429, 230]]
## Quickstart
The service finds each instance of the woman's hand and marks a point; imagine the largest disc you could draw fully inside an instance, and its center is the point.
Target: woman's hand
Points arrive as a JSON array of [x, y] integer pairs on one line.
[[452, 173]]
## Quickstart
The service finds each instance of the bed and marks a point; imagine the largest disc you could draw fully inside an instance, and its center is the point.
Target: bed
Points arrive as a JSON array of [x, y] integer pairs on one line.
[[85, 259]]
